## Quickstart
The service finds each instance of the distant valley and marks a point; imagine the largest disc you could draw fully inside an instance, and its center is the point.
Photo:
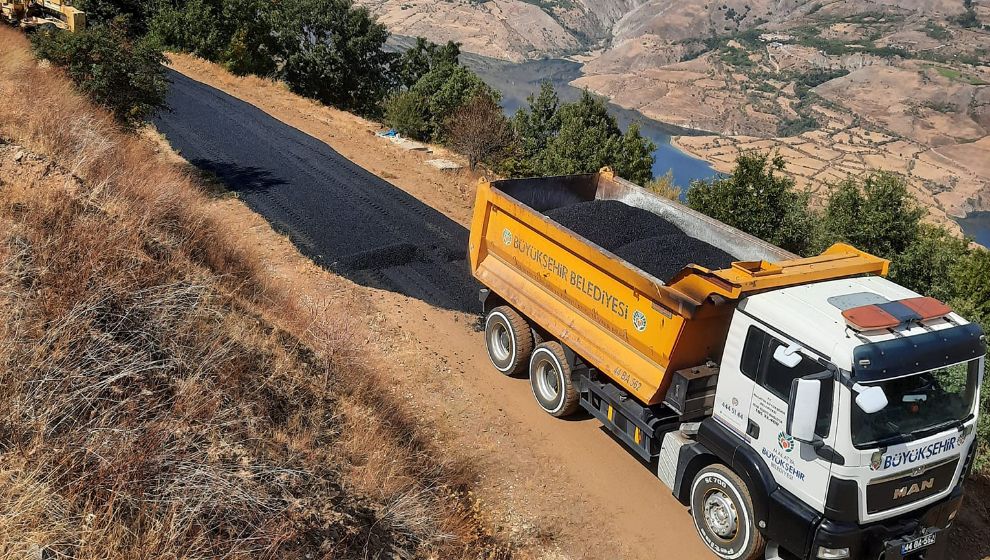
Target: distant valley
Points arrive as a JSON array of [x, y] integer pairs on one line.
[[837, 87]]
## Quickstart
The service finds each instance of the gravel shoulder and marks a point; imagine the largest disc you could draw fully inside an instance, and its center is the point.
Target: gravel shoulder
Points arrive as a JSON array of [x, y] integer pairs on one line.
[[564, 488]]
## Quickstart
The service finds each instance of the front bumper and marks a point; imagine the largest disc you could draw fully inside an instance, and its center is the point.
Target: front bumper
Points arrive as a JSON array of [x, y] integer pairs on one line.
[[868, 541]]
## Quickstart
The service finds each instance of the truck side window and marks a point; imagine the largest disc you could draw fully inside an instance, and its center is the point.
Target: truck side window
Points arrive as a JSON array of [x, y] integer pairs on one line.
[[756, 341], [777, 378]]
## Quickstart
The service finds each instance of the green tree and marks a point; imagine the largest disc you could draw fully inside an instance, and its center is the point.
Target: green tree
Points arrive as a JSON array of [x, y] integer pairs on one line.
[[970, 277], [423, 57], [135, 13], [332, 51], [589, 138], [927, 263], [195, 26], [251, 49], [535, 127], [758, 199], [406, 113], [876, 214], [444, 89], [634, 156], [124, 75]]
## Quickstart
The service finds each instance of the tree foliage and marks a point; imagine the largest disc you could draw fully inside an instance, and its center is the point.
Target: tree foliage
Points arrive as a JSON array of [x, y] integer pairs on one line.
[[123, 74], [664, 186], [444, 89], [479, 130], [876, 212], [406, 113], [332, 51], [580, 137], [758, 199], [424, 110], [927, 262], [132, 15], [196, 26], [329, 50], [421, 58]]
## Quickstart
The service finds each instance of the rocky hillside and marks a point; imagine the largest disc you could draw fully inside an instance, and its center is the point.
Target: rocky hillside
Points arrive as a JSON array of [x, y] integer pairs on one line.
[[840, 85], [512, 30]]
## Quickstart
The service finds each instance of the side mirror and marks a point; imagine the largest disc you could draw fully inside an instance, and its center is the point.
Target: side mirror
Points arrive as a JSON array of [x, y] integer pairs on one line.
[[870, 399], [789, 356], [802, 409]]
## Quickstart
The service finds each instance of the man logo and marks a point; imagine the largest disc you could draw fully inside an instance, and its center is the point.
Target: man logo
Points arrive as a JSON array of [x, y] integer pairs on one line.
[[905, 491], [875, 461], [507, 236]]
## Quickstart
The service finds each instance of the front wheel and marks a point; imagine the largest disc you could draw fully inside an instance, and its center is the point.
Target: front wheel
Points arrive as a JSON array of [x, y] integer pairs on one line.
[[723, 514]]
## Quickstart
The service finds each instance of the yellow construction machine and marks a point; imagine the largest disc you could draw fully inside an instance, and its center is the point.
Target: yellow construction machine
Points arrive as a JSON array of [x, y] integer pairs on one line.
[[40, 14]]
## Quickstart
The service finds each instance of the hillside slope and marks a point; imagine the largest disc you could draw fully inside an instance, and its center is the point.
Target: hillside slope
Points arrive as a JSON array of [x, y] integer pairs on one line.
[[164, 394]]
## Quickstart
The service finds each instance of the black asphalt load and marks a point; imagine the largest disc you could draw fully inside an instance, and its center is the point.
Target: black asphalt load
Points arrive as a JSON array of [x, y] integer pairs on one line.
[[639, 237], [341, 216]]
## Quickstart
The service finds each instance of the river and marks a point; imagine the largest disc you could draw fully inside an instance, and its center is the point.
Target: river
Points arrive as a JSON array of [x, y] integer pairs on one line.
[[516, 81], [977, 226]]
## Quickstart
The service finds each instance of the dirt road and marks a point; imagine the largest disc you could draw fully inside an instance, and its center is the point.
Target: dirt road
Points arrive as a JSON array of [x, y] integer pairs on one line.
[[565, 485]]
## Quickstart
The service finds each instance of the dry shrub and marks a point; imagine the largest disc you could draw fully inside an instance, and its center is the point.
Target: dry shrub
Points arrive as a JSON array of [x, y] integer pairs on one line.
[[161, 398]]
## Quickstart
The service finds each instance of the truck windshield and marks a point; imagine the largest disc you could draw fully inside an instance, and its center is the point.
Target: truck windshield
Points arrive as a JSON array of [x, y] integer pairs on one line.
[[919, 405]]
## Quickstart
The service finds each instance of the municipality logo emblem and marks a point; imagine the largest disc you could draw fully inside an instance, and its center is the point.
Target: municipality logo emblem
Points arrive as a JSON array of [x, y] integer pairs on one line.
[[507, 236], [785, 441], [639, 321], [875, 461]]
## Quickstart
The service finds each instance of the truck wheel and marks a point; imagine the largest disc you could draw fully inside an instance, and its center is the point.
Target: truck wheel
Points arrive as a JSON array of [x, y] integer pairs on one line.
[[550, 375], [722, 509], [509, 340]]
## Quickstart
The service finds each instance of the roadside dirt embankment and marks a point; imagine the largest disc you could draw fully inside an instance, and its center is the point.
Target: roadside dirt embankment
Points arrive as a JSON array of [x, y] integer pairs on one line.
[[165, 394]]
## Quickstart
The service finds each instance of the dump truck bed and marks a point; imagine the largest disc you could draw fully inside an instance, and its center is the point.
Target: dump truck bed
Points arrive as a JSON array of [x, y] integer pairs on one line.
[[627, 323]]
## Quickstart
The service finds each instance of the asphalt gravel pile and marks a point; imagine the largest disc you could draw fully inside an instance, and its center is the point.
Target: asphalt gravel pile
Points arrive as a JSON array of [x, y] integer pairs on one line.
[[665, 255], [338, 214], [639, 237], [610, 223]]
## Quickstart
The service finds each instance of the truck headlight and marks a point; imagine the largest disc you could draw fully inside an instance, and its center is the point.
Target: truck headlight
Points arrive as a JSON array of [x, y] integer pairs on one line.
[[832, 553]]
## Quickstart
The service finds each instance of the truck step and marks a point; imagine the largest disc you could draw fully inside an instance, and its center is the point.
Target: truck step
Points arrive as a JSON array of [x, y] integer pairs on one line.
[[640, 427]]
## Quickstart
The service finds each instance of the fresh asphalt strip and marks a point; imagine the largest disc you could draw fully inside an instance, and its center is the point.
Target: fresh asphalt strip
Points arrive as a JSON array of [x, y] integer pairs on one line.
[[361, 226], [341, 216]]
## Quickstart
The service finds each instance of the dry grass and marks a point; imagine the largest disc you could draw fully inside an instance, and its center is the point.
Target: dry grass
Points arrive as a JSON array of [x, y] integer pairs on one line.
[[161, 396]]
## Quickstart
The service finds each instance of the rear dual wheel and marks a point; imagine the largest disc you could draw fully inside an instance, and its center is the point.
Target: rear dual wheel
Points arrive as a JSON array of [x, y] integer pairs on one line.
[[509, 340], [550, 375]]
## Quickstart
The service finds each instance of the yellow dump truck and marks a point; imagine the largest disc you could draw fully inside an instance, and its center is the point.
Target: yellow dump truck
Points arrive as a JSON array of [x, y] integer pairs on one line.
[[802, 407]]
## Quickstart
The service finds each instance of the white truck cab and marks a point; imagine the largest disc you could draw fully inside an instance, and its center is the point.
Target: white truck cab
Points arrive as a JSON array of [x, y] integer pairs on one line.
[[859, 397]]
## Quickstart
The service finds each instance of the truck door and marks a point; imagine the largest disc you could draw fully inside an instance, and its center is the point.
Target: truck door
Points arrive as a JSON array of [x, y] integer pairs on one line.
[[796, 466], [737, 377]]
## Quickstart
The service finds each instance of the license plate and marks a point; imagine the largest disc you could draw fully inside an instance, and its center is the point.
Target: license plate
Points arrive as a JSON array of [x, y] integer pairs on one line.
[[917, 544]]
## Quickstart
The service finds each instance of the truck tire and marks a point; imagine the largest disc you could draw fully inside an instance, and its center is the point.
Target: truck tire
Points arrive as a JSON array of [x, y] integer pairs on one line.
[[550, 376], [722, 509], [509, 340]]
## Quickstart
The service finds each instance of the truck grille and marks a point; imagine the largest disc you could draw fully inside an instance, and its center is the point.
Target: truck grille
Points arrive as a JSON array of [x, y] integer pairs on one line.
[[884, 494]]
